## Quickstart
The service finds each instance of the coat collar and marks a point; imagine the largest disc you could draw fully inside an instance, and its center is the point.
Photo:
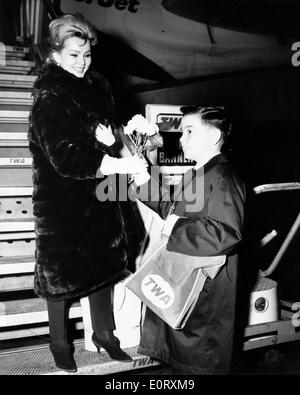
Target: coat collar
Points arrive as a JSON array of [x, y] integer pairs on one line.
[[215, 160], [54, 75], [92, 92], [191, 173]]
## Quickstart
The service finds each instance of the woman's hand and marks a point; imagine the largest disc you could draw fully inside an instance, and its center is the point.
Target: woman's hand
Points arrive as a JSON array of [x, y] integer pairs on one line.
[[105, 135]]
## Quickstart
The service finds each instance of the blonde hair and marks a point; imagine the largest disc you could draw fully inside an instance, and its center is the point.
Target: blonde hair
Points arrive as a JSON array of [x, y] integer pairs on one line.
[[67, 26]]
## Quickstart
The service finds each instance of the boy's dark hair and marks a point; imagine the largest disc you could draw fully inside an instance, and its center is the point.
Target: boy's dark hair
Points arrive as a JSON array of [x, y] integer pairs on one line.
[[216, 116]]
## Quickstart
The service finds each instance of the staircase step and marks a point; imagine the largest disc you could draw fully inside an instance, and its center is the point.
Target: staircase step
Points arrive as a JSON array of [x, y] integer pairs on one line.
[[29, 311], [13, 107], [14, 116], [15, 283], [20, 63], [11, 236], [16, 191], [16, 80], [13, 139], [22, 78], [17, 152], [13, 162], [15, 55], [15, 247], [26, 225], [13, 143], [16, 49], [15, 264], [12, 218], [13, 98], [15, 95], [15, 208], [15, 177], [13, 127], [13, 136], [39, 361], [15, 69]]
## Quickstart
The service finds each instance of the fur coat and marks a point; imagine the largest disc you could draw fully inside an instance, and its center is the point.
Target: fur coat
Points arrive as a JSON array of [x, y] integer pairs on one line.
[[81, 243]]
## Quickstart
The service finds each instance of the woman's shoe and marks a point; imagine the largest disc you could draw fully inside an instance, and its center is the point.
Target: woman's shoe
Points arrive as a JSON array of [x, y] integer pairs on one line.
[[112, 347], [63, 358]]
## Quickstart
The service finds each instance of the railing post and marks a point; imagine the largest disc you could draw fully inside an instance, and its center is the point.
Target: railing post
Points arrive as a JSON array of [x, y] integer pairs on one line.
[[27, 18], [32, 17], [2, 54], [21, 20], [38, 22]]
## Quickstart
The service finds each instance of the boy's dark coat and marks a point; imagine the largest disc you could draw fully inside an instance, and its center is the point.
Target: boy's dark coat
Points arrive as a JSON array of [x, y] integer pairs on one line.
[[204, 345]]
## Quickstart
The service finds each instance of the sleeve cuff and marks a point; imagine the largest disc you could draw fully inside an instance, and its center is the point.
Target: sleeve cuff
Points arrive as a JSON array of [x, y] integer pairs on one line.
[[169, 224], [105, 167]]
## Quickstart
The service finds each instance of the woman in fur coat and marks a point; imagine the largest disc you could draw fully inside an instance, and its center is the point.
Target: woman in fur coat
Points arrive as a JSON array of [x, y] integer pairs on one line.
[[81, 242]]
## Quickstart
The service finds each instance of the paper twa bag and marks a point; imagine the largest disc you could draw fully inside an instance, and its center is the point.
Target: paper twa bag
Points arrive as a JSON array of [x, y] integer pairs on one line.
[[169, 283]]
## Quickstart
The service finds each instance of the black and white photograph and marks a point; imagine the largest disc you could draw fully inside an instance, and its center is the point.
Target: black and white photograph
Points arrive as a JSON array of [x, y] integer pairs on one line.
[[149, 190]]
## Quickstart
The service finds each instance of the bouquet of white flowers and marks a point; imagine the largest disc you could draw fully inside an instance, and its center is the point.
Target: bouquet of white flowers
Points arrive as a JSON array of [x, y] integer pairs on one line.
[[142, 134]]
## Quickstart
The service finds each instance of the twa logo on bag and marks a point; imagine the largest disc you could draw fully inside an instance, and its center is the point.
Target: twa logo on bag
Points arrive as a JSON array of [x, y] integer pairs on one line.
[[169, 283], [158, 291]]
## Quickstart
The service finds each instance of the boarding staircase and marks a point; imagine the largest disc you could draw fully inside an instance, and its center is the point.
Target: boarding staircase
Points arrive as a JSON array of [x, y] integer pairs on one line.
[[17, 239], [23, 316]]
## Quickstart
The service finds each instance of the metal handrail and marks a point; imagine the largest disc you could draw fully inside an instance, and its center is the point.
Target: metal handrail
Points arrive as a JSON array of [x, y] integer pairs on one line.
[[277, 187], [288, 186], [283, 248]]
